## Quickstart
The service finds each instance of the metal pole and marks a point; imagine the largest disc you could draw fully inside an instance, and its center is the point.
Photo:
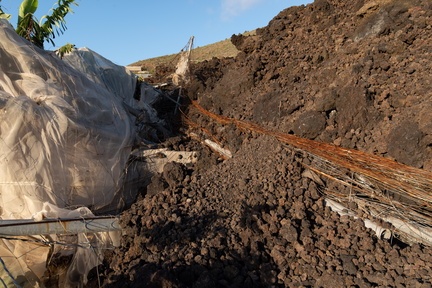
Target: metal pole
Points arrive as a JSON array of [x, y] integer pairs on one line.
[[28, 227]]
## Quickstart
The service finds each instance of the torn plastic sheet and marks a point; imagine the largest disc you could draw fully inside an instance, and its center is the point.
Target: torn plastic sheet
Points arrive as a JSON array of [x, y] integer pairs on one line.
[[65, 141]]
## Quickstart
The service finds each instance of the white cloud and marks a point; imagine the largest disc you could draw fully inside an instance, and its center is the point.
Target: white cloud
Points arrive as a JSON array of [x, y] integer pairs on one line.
[[235, 7]]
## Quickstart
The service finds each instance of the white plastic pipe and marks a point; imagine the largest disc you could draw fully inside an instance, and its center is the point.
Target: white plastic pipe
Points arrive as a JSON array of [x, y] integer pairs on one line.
[[381, 232]]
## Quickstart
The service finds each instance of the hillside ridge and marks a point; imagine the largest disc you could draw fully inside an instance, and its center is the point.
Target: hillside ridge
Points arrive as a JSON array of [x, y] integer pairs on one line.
[[220, 49]]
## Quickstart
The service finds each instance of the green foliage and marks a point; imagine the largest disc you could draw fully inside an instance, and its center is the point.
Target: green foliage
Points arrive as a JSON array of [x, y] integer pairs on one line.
[[27, 7], [56, 21], [67, 48], [4, 15], [28, 26], [48, 27]]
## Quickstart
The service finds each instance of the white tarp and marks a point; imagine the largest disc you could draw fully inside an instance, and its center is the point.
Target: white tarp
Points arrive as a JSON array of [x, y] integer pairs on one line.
[[116, 79], [64, 137], [123, 84]]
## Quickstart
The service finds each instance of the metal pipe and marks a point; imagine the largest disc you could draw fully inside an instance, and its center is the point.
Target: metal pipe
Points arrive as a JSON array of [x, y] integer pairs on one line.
[[26, 227]]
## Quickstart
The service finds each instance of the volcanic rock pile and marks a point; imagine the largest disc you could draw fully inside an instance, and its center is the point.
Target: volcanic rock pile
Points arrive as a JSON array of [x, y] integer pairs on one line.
[[352, 73]]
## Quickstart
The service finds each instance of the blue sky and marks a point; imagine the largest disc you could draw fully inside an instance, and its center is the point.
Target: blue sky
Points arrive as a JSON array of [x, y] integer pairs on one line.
[[131, 30]]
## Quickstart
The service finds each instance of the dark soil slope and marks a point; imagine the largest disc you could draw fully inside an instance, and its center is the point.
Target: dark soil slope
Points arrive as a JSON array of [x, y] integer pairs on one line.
[[352, 73], [356, 74]]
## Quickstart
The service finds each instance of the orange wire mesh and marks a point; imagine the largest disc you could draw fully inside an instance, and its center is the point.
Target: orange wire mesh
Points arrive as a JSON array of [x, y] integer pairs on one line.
[[387, 187]]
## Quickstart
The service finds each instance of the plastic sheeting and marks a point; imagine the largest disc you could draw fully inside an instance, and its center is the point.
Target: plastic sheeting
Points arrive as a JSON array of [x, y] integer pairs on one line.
[[123, 84], [116, 79], [65, 138]]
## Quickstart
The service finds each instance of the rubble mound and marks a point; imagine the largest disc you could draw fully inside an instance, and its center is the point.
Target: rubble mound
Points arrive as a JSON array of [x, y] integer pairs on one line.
[[355, 74]]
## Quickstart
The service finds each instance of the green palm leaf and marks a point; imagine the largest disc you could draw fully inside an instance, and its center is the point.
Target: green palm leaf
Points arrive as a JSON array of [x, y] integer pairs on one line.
[[48, 27], [55, 23], [4, 15], [27, 7]]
